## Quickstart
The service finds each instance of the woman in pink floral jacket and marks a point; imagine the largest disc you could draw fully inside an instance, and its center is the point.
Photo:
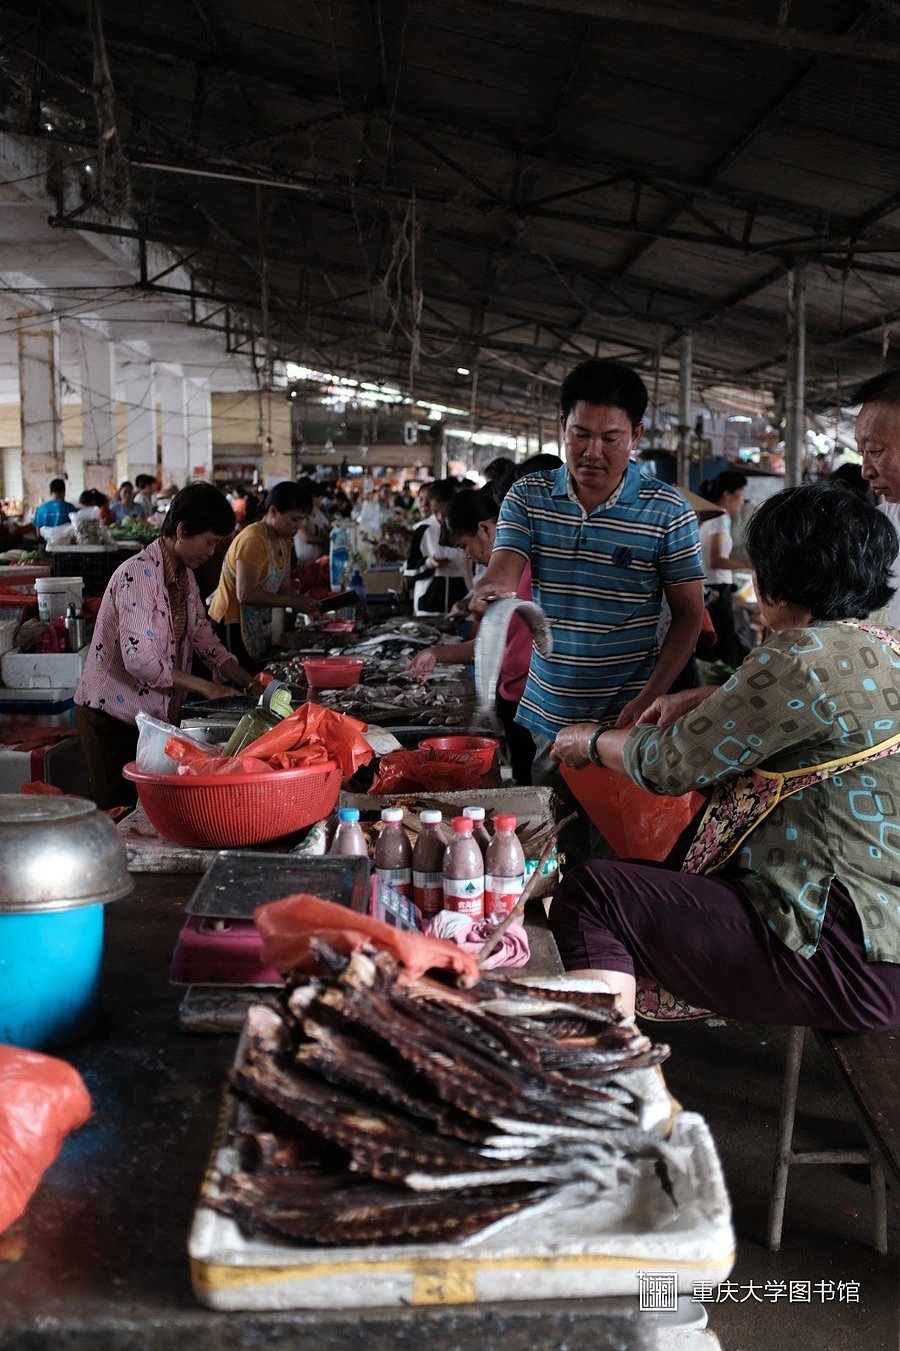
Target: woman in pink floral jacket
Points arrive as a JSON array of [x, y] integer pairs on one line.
[[150, 625]]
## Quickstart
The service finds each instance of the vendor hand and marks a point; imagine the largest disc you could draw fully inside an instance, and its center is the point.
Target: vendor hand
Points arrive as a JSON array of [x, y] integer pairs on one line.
[[307, 605], [571, 744], [212, 690], [255, 689], [422, 664], [668, 708], [633, 710], [483, 596]]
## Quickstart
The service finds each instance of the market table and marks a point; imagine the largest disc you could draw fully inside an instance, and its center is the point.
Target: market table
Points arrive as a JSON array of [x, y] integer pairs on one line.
[[99, 1261]]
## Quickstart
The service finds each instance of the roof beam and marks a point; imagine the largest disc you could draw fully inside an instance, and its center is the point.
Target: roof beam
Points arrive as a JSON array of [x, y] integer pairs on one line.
[[868, 51]]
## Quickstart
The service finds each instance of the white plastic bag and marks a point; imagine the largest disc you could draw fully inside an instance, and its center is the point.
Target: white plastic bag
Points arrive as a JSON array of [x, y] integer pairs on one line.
[[151, 748], [88, 527], [55, 536]]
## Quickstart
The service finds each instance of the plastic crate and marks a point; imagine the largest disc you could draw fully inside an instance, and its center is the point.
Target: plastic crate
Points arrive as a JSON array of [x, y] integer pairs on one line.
[[92, 563]]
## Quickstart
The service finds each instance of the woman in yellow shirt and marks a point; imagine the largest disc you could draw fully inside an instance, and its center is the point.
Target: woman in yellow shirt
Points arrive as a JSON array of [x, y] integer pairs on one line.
[[256, 576]]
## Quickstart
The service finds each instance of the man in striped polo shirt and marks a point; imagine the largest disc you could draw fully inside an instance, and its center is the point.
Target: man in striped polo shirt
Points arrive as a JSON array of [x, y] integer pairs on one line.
[[605, 547]]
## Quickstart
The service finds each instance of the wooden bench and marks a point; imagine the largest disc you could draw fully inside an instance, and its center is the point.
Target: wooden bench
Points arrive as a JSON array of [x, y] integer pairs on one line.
[[869, 1066]]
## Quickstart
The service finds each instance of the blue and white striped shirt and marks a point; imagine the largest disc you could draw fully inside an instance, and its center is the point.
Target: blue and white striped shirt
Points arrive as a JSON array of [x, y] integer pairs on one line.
[[599, 578]]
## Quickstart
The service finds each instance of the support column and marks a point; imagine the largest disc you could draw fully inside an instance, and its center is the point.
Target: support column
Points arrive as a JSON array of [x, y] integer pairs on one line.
[[795, 377], [98, 409], [173, 429], [198, 405], [40, 406], [685, 382], [140, 418]]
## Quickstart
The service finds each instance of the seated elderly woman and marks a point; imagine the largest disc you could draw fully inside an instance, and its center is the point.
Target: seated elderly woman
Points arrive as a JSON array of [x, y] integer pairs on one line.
[[787, 908]]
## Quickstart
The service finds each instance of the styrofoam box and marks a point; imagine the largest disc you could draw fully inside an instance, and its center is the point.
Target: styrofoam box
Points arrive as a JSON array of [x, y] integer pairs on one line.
[[563, 1251], [8, 629], [38, 708], [42, 670]]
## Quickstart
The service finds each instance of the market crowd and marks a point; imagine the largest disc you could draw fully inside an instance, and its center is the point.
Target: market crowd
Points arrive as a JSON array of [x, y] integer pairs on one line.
[[783, 906]]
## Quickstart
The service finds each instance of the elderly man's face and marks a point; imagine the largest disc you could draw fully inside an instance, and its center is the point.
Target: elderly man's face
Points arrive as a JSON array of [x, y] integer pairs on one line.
[[878, 441]]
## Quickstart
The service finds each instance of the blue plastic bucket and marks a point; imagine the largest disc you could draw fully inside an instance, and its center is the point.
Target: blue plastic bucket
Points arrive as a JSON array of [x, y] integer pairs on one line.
[[50, 976]]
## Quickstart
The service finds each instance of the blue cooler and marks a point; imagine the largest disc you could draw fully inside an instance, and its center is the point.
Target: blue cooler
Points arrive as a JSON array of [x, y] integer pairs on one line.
[[61, 861]]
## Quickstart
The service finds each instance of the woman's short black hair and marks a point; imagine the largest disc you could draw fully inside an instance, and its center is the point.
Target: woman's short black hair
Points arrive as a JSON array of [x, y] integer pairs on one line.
[[289, 496], [729, 481], [199, 507], [608, 383], [824, 549], [466, 511], [443, 490]]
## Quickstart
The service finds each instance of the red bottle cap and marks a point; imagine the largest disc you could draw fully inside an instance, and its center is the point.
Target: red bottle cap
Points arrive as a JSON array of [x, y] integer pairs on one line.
[[462, 825], [504, 823]]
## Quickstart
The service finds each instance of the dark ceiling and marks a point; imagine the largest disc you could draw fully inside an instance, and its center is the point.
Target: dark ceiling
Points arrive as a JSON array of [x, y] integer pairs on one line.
[[395, 190]]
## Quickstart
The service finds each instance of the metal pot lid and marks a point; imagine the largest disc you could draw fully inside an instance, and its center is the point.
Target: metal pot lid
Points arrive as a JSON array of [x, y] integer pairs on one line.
[[58, 853]]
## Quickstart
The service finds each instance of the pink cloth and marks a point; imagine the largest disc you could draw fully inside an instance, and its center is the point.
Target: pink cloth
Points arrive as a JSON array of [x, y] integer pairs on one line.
[[517, 657], [472, 934], [133, 651]]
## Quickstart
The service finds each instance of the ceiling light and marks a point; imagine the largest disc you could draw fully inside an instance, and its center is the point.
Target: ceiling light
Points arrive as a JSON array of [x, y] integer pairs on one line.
[[462, 370]]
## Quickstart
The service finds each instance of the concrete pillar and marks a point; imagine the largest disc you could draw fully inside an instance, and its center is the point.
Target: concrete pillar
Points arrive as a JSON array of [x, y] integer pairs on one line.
[[98, 409], [685, 398], [198, 406], [140, 418], [795, 378], [173, 428], [40, 406]]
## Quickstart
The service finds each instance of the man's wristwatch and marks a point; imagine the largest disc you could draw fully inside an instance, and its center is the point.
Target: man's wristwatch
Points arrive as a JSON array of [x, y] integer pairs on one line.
[[592, 749]]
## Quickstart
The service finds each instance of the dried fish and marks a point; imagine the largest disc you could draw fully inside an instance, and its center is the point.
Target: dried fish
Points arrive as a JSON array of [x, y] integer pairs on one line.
[[429, 1111]]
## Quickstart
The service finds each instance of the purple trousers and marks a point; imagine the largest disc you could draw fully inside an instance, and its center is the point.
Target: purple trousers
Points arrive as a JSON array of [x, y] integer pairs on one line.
[[703, 940]]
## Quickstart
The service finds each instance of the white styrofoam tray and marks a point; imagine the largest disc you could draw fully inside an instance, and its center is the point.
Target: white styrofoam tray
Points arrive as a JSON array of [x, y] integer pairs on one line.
[[574, 1252]]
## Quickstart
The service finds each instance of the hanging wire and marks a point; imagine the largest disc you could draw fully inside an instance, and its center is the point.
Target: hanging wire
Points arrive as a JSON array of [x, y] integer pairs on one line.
[[113, 184]]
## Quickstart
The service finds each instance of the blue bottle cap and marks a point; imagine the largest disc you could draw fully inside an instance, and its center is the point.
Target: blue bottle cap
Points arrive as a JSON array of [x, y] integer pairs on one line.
[[348, 814]]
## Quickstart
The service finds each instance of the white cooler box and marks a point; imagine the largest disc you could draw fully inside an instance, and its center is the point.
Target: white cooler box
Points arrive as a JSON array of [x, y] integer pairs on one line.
[[42, 670], [37, 708], [44, 755]]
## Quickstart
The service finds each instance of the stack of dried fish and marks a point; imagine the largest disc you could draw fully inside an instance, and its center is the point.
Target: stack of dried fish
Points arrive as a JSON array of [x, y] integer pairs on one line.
[[378, 1108]]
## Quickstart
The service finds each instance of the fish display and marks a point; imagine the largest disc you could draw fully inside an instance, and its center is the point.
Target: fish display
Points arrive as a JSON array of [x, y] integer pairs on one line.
[[379, 1107]]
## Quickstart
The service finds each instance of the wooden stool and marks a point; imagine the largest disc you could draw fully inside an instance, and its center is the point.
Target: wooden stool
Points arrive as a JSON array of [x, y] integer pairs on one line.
[[786, 1154]]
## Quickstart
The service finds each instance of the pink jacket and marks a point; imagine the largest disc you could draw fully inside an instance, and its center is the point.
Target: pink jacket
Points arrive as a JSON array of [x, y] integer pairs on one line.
[[133, 652]]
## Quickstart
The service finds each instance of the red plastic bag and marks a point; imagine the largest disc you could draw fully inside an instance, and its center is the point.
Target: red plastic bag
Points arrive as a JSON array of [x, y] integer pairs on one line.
[[435, 771], [311, 725], [633, 821], [41, 1100]]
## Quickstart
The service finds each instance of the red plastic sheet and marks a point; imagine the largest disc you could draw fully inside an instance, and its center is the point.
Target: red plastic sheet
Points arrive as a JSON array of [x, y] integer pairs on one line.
[[435, 771], [41, 1100], [315, 734]]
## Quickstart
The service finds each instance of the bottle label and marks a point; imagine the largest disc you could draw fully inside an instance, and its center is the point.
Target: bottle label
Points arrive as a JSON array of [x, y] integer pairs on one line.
[[501, 894], [399, 878], [428, 892], [465, 895]]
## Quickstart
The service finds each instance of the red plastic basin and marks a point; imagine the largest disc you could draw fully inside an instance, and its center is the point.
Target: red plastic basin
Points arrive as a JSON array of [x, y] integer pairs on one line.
[[332, 673], [484, 748]]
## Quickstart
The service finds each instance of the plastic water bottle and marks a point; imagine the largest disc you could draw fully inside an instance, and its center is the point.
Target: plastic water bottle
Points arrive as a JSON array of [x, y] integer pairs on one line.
[[339, 557]]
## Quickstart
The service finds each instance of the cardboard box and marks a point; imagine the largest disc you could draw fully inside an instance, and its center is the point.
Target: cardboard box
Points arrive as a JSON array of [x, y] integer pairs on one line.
[[42, 670], [380, 580]]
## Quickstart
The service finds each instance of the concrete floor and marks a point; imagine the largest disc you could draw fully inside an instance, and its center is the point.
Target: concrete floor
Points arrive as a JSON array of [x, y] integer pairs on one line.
[[731, 1074]]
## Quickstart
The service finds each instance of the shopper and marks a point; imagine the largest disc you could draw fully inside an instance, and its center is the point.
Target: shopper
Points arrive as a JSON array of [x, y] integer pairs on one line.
[[56, 510], [441, 574], [125, 505], [878, 441], [799, 923], [605, 545], [150, 625], [727, 490]]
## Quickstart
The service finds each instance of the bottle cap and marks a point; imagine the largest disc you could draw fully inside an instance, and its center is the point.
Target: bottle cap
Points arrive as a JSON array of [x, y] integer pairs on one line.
[[392, 814], [462, 825], [504, 822], [348, 813], [431, 818], [474, 813]]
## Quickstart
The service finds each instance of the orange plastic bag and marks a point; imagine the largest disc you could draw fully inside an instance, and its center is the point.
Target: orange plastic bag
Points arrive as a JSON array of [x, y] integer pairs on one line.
[[313, 726], [41, 1100], [287, 927], [633, 821], [435, 771]]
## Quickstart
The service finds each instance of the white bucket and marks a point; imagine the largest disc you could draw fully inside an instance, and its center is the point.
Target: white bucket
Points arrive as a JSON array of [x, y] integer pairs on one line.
[[54, 594]]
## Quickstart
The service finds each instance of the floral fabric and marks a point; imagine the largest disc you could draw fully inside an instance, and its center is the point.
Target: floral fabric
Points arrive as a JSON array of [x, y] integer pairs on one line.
[[134, 650]]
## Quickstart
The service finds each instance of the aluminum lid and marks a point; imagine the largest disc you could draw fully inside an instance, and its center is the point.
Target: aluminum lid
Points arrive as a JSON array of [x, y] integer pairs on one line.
[[58, 853]]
